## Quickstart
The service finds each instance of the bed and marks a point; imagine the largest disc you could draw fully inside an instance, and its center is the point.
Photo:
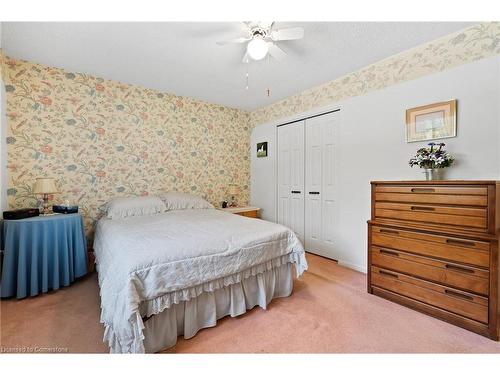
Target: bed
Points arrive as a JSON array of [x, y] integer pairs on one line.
[[173, 273]]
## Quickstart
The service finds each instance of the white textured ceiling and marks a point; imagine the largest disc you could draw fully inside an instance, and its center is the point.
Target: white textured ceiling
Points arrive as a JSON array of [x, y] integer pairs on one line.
[[183, 58]]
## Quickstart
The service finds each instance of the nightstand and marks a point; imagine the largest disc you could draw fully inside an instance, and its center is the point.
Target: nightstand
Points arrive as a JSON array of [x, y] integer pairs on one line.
[[247, 211], [42, 253]]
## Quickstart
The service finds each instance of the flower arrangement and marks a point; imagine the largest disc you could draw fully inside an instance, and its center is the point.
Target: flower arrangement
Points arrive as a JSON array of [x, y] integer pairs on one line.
[[432, 157]]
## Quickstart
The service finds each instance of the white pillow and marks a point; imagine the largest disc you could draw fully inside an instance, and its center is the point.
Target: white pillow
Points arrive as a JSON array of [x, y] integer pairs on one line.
[[118, 208], [175, 200]]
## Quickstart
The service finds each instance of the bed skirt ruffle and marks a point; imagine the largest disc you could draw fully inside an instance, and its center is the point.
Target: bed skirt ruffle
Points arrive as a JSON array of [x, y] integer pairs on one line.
[[184, 312], [187, 318]]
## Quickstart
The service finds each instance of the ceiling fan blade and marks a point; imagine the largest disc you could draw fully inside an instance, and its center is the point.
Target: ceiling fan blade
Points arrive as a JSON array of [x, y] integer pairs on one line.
[[237, 40], [246, 58], [276, 52], [288, 34], [266, 24]]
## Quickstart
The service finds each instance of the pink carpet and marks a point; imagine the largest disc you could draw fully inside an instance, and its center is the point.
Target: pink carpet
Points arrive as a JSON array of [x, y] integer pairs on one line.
[[329, 312]]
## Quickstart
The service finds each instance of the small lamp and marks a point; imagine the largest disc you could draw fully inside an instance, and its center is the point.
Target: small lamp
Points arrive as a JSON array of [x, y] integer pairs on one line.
[[233, 190], [45, 186]]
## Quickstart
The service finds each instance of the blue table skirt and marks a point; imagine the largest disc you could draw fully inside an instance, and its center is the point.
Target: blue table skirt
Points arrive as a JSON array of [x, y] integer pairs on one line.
[[42, 253]]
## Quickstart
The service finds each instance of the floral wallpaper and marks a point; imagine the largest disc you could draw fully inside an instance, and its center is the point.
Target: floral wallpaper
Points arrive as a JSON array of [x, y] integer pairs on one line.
[[474, 43], [101, 139]]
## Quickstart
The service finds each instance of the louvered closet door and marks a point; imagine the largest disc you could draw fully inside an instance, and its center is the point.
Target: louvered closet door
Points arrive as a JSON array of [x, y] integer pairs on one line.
[[320, 197], [291, 177]]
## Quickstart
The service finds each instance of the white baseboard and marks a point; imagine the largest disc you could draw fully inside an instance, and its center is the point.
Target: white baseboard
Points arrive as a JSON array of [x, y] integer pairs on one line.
[[352, 266]]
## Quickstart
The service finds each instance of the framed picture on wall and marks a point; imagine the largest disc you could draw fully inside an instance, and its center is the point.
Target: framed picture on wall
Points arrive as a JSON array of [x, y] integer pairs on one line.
[[262, 149], [432, 121]]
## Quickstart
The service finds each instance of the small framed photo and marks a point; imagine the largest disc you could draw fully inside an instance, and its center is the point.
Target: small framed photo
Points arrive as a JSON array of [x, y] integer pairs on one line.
[[262, 149], [432, 121]]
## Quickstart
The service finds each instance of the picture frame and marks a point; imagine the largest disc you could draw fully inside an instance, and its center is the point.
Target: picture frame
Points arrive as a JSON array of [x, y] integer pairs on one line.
[[262, 149], [431, 121]]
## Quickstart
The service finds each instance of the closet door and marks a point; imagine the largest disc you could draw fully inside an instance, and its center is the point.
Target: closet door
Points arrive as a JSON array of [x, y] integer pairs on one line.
[[320, 197], [291, 177]]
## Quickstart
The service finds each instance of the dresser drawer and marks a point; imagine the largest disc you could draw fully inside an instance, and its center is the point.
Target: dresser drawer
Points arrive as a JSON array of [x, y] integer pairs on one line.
[[455, 275], [461, 200], [459, 302], [476, 253], [253, 214], [450, 195], [472, 217]]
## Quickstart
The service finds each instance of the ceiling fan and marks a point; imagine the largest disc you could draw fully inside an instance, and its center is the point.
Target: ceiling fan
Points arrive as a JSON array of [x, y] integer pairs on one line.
[[262, 38]]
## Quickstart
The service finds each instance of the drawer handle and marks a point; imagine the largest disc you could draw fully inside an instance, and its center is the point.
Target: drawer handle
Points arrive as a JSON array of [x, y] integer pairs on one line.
[[314, 192], [422, 190], [458, 268], [422, 208], [388, 252], [452, 241], [295, 191], [458, 295], [389, 231], [390, 274]]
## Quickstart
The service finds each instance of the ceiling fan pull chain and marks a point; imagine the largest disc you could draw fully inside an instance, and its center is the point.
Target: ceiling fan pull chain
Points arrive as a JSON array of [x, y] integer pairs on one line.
[[247, 77], [269, 64]]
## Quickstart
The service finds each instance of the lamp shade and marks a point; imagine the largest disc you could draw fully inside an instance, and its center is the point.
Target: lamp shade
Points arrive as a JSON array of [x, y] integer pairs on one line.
[[45, 185], [233, 189]]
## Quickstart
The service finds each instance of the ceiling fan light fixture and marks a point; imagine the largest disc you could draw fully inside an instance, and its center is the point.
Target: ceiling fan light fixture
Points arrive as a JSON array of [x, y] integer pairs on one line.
[[257, 48]]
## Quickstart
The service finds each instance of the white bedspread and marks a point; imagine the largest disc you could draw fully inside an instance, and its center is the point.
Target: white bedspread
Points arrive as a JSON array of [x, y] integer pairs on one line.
[[148, 263]]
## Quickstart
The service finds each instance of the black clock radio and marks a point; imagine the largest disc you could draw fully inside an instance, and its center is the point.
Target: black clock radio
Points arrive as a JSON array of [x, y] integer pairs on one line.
[[22, 213]]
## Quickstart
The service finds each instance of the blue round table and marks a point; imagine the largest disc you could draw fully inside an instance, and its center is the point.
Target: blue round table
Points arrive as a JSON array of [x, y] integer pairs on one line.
[[42, 253]]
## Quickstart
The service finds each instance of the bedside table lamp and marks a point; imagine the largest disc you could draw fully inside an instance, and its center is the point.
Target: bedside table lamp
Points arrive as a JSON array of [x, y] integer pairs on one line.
[[233, 190], [45, 186]]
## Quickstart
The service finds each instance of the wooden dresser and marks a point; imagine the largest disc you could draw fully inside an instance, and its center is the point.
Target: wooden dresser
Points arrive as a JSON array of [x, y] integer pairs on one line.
[[433, 246]]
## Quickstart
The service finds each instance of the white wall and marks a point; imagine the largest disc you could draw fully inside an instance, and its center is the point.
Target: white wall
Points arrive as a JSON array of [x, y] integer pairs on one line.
[[263, 187], [372, 146]]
